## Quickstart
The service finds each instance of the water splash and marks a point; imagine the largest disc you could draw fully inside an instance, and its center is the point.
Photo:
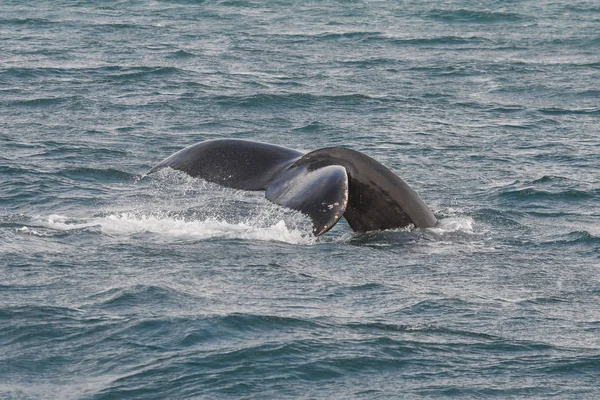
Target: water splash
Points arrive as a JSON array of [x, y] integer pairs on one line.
[[454, 224], [170, 227]]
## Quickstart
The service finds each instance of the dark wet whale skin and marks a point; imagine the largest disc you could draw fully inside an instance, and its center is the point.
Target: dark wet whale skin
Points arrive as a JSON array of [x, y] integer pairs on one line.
[[324, 184]]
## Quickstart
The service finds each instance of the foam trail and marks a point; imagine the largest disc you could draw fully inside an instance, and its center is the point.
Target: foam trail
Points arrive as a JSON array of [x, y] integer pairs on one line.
[[127, 224]]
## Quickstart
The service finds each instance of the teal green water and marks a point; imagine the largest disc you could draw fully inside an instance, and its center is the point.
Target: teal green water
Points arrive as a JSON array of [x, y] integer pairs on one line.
[[168, 287]]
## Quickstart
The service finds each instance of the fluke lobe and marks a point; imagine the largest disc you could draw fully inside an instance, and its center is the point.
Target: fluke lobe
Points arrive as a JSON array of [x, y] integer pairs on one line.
[[325, 184]]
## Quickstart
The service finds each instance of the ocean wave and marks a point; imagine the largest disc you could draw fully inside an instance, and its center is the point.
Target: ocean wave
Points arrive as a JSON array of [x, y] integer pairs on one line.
[[361, 35], [112, 72], [46, 101], [547, 189], [138, 295], [76, 149], [582, 237], [570, 111], [384, 38], [40, 72], [442, 40], [32, 22], [421, 329], [143, 72], [534, 194], [39, 324], [549, 179], [475, 16], [97, 174], [293, 100], [181, 54], [593, 65]]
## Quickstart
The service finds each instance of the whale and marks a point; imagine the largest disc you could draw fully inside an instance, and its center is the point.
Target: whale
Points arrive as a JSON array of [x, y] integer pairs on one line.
[[325, 184]]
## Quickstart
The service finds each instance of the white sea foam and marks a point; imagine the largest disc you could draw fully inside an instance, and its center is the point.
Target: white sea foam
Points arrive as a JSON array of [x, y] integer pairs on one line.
[[453, 224], [266, 226], [28, 231], [177, 228]]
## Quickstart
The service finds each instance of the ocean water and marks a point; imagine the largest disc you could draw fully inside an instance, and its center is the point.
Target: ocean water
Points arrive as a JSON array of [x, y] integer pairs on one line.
[[115, 285]]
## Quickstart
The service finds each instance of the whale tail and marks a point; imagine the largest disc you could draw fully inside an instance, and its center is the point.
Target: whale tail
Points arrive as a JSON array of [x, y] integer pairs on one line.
[[325, 184], [235, 163]]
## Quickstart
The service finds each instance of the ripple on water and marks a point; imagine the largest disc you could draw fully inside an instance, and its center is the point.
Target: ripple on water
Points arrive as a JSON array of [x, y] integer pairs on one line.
[[101, 175], [170, 287], [475, 16]]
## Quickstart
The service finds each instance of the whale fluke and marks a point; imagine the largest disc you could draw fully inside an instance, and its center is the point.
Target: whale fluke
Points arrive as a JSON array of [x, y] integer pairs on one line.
[[234, 163], [325, 184], [320, 193]]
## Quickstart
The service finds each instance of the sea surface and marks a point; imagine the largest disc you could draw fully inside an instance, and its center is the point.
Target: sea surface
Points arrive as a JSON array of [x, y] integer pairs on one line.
[[118, 285]]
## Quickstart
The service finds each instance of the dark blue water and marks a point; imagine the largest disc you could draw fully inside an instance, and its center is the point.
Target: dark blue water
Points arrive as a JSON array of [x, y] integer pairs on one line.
[[167, 287]]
